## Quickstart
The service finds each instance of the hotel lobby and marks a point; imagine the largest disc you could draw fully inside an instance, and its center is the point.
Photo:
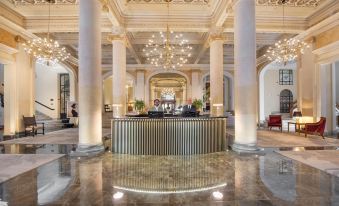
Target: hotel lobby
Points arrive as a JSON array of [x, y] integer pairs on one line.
[[169, 102]]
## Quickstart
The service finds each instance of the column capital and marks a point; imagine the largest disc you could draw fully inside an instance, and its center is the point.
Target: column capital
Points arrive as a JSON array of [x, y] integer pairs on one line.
[[113, 37], [118, 34], [140, 70]]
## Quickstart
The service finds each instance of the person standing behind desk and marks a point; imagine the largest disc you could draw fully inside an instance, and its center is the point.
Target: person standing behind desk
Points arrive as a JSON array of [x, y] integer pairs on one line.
[[157, 107], [189, 107]]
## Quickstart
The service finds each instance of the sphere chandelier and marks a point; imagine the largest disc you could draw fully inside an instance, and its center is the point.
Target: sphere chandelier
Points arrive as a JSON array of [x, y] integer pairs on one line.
[[167, 50], [286, 50], [46, 50]]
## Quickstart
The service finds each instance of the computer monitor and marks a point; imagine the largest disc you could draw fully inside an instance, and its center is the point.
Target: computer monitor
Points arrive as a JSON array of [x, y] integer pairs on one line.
[[155, 114], [189, 114]]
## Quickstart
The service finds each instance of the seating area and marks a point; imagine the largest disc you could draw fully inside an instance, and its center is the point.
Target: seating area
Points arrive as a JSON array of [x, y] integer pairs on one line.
[[32, 127], [274, 121]]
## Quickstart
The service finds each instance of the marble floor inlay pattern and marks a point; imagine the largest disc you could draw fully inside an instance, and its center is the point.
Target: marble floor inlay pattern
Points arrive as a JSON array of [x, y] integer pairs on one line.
[[225, 178]]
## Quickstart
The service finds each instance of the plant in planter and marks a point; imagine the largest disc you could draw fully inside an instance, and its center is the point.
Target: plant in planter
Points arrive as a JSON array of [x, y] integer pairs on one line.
[[139, 105], [197, 104]]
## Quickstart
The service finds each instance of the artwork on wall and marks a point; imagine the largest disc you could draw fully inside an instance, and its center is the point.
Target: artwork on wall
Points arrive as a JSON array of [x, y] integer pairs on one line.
[[72, 109]]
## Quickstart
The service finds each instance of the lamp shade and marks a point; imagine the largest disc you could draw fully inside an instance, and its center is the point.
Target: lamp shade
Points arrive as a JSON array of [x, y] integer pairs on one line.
[[297, 114]]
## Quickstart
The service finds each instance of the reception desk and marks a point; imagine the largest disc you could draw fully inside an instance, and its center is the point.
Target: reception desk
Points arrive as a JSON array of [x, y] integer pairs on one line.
[[168, 136]]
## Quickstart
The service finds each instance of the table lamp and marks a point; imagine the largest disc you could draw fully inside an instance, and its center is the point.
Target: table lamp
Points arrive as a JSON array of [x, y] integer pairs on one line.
[[297, 114]]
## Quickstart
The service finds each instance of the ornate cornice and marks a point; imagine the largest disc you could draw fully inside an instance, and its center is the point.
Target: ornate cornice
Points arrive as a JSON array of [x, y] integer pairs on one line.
[[38, 2], [199, 2], [293, 3]]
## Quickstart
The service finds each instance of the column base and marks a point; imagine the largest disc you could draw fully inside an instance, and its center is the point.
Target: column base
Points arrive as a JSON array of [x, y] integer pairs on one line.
[[248, 148], [88, 150]]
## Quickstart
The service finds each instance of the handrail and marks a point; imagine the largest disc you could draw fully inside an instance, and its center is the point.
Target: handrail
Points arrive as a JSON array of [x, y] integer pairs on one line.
[[44, 105]]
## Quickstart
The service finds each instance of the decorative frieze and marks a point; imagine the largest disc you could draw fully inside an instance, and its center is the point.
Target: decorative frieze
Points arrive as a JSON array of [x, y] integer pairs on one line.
[[39, 2], [166, 1], [293, 3]]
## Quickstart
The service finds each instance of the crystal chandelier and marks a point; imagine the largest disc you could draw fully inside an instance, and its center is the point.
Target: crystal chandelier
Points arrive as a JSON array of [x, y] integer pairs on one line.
[[167, 92], [167, 50], [286, 50], [46, 50]]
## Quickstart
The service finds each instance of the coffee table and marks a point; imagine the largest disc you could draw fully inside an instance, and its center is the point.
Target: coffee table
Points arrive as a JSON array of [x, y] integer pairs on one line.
[[297, 126]]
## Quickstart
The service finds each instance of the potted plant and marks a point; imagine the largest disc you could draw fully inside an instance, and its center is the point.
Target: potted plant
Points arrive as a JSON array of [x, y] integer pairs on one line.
[[139, 105], [197, 104]]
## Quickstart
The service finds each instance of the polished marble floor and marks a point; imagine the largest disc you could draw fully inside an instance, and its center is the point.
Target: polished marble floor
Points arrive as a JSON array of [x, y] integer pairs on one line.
[[225, 178]]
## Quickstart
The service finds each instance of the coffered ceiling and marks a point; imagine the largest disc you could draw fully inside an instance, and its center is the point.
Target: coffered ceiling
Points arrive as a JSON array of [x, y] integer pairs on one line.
[[196, 19]]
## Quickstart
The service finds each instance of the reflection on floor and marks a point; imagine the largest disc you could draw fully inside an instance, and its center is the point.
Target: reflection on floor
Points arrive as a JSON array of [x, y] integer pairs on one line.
[[224, 178], [12, 165], [277, 139], [325, 160], [65, 136]]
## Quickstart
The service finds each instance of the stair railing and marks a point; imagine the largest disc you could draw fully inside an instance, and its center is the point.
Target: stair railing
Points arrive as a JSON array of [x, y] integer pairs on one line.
[[44, 105], [292, 107]]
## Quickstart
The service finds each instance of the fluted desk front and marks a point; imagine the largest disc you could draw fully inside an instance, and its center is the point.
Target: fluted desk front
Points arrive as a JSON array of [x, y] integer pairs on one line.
[[168, 136]]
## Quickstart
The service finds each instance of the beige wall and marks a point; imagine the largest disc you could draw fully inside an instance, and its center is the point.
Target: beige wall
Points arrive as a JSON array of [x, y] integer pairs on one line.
[[7, 38], [327, 37], [47, 88], [272, 91], [337, 81]]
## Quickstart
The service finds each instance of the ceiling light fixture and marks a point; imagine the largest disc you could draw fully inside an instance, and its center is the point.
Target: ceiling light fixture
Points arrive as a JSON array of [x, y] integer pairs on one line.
[[46, 50], [286, 50], [167, 50], [167, 92]]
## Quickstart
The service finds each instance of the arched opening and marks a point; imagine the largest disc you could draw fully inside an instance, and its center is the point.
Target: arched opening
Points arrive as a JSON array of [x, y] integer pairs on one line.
[[286, 100], [227, 92], [54, 87], [169, 88], [273, 79]]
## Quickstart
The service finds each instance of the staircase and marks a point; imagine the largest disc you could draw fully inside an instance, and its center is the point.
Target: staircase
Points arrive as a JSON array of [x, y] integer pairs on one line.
[[39, 116], [50, 123]]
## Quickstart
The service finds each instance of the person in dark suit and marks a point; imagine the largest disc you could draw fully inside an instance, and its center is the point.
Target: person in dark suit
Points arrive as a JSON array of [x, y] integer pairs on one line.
[[157, 106], [189, 107]]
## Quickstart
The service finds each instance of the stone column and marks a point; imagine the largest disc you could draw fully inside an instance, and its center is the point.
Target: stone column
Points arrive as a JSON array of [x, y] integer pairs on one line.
[[307, 99], [140, 85], [119, 72], [325, 100], [25, 89], [216, 76], [245, 76], [10, 99], [196, 85], [90, 79]]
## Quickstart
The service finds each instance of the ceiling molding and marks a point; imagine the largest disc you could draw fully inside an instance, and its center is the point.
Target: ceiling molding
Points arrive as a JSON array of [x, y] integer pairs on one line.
[[290, 3], [41, 2], [195, 2], [322, 26]]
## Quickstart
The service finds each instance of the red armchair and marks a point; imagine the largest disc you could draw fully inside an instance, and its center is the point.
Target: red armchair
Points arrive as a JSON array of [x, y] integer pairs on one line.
[[274, 121], [315, 128]]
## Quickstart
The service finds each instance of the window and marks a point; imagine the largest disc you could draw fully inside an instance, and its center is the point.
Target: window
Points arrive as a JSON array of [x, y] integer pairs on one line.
[[286, 101], [64, 89], [285, 77]]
